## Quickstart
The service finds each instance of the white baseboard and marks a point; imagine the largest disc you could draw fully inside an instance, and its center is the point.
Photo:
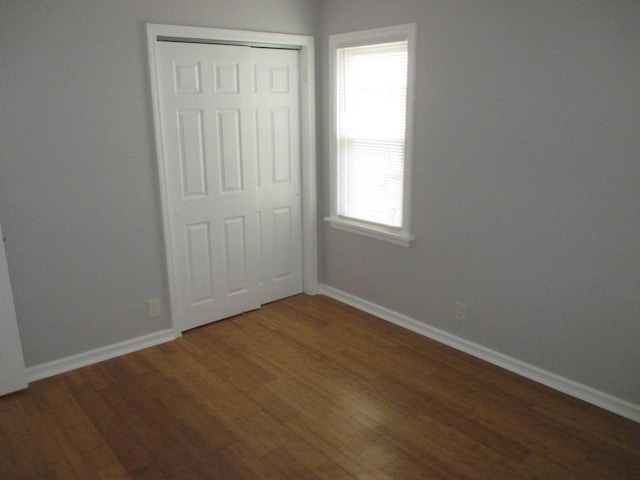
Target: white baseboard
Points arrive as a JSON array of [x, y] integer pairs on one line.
[[83, 359], [564, 385]]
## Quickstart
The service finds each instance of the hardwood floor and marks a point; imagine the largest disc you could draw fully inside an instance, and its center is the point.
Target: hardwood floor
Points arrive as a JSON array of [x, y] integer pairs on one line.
[[307, 388]]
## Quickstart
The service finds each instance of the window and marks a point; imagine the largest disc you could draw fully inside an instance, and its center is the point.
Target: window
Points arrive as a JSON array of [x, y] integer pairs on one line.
[[372, 97]]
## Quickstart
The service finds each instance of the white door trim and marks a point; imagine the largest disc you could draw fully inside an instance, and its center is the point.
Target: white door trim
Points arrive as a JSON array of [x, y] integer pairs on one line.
[[13, 375], [307, 138]]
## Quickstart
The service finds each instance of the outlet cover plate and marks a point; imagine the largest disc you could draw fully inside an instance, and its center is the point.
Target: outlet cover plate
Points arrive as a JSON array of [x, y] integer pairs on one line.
[[460, 311], [153, 307]]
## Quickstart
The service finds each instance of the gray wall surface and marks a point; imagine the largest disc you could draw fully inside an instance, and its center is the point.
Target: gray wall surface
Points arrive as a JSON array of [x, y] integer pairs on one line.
[[526, 191], [79, 195]]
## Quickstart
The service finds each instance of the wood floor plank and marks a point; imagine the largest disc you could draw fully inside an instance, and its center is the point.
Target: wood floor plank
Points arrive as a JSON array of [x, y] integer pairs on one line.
[[324, 442], [307, 388], [114, 430], [299, 448], [114, 471], [252, 466], [409, 469], [21, 454], [288, 467]]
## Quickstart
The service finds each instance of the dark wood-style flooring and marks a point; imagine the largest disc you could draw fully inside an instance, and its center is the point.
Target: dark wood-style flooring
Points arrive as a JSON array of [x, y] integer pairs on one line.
[[307, 388]]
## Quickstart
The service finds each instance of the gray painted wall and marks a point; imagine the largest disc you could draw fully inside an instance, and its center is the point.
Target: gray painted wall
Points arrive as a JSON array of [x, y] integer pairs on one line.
[[79, 199], [527, 182]]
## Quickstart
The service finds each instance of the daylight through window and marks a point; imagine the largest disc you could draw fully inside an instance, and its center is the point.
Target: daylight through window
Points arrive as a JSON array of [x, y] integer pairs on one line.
[[370, 150]]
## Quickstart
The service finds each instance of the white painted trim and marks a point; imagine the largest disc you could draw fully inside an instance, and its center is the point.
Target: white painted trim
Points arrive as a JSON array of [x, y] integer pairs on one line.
[[307, 137], [309, 169], [83, 359], [371, 231], [13, 374], [561, 384]]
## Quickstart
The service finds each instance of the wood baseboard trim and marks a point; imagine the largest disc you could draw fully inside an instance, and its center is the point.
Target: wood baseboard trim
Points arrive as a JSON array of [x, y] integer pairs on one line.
[[83, 359], [557, 382]]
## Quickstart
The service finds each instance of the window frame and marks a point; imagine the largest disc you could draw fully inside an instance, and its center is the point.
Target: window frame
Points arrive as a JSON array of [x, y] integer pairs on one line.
[[400, 236]]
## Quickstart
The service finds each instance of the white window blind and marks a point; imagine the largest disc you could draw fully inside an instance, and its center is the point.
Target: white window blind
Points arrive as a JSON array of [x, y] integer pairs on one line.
[[371, 127]]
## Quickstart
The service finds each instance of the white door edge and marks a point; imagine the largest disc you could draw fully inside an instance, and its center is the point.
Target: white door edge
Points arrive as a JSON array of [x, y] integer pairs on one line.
[[307, 138], [13, 374]]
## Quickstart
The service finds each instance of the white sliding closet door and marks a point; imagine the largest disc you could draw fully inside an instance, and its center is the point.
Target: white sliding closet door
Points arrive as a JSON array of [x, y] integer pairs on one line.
[[229, 150], [276, 101]]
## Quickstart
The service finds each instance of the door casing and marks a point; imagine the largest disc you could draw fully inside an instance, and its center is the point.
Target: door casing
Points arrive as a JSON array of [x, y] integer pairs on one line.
[[13, 375], [307, 140]]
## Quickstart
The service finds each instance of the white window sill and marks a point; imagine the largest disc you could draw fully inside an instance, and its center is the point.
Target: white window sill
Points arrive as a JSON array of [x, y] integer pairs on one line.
[[371, 231]]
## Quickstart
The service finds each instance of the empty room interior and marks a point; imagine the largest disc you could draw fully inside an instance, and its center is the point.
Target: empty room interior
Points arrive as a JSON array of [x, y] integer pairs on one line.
[[210, 289]]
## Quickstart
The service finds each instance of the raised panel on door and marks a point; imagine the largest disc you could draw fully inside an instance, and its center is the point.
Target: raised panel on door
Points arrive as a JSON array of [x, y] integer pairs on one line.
[[199, 263], [278, 184], [283, 243], [191, 151], [230, 151], [209, 157], [235, 255]]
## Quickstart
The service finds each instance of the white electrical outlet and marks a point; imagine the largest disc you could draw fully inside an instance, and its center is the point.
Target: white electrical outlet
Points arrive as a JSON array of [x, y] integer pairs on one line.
[[153, 307], [460, 311]]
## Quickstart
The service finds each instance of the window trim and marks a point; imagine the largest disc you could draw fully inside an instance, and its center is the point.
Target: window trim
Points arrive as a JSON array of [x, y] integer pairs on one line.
[[400, 236]]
